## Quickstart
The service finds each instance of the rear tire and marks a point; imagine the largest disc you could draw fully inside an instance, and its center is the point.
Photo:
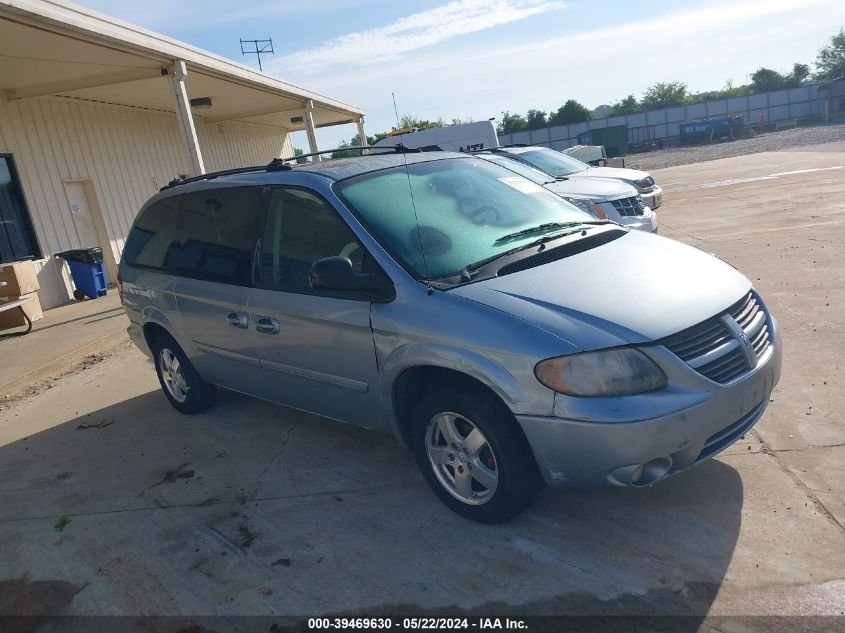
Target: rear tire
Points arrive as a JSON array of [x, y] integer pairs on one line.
[[473, 454], [180, 382]]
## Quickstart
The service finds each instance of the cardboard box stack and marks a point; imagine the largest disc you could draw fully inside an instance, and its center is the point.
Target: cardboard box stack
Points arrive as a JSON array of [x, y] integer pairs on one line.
[[18, 281]]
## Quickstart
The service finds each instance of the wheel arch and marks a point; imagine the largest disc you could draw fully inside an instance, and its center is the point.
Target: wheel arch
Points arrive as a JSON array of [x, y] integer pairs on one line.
[[414, 381]]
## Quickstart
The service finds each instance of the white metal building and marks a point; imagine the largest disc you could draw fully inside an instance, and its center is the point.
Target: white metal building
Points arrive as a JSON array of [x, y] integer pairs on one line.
[[96, 114]]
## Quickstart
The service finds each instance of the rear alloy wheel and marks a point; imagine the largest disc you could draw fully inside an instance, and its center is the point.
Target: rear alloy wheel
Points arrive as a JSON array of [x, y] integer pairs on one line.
[[186, 391], [473, 454]]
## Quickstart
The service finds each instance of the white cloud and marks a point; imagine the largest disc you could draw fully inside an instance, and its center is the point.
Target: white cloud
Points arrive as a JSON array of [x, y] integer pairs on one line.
[[392, 41], [696, 46]]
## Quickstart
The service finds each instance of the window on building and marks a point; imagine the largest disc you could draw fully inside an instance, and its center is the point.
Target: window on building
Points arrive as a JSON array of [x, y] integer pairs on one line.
[[17, 239]]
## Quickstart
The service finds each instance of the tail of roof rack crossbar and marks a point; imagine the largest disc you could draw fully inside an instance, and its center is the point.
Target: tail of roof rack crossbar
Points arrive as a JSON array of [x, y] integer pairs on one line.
[[283, 164]]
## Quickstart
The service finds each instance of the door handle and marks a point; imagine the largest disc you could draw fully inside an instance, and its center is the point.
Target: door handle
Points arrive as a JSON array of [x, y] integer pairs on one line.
[[266, 325], [238, 320]]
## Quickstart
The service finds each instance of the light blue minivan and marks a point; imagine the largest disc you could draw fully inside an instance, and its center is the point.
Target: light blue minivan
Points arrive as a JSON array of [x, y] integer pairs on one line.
[[504, 336]]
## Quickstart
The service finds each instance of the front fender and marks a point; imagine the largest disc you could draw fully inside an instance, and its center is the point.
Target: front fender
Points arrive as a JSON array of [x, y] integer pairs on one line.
[[494, 375]]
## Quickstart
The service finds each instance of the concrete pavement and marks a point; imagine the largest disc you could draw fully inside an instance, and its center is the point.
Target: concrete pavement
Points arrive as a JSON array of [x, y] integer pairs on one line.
[[253, 509], [65, 336]]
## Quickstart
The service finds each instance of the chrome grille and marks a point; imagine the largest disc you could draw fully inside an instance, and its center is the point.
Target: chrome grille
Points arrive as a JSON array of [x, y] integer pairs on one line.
[[728, 345], [629, 206]]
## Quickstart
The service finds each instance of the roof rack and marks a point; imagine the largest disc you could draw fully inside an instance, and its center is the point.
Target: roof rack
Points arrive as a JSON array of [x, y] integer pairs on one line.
[[276, 164], [282, 164]]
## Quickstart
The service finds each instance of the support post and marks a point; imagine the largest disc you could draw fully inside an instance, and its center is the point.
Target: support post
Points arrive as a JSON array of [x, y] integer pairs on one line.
[[362, 137], [177, 73], [309, 129]]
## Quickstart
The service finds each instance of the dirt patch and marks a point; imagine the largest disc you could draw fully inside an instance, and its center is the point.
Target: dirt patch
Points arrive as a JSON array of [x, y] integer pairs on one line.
[[41, 386], [783, 140], [246, 537]]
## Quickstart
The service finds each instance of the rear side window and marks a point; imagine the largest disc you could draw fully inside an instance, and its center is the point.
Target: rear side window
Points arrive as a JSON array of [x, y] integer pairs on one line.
[[206, 235], [152, 240]]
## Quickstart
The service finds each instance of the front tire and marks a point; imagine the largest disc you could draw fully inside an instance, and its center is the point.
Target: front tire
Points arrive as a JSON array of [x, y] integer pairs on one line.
[[473, 454], [186, 391]]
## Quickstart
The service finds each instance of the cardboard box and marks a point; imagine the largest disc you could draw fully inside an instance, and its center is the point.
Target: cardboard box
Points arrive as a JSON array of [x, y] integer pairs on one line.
[[13, 317], [19, 278]]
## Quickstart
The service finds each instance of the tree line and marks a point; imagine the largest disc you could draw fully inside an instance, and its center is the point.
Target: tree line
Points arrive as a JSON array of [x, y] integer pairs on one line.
[[829, 65]]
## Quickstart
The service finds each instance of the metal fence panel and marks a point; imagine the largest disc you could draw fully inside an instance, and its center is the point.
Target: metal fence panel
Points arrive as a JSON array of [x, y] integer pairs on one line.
[[539, 137], [781, 97]]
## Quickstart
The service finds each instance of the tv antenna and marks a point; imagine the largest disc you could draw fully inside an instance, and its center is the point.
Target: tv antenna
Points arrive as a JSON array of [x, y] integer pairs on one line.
[[257, 48]]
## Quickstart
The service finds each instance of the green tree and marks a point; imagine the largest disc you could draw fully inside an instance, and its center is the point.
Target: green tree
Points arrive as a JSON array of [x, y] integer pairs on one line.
[[297, 152], [665, 95], [800, 73], [766, 80], [830, 63], [570, 112], [628, 105], [408, 120], [535, 119], [511, 123]]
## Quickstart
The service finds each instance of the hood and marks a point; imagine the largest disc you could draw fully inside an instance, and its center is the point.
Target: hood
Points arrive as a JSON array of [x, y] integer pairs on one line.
[[638, 288], [593, 188], [614, 172]]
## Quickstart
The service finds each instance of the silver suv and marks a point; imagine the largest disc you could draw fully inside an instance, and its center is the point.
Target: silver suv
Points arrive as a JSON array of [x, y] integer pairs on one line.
[[506, 337], [603, 198]]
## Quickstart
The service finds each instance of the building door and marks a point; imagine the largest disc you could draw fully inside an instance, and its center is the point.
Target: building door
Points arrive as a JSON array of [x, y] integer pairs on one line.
[[88, 221]]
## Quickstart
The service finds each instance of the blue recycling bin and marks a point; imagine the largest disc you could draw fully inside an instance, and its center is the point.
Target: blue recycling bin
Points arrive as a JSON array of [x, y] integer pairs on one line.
[[87, 270]]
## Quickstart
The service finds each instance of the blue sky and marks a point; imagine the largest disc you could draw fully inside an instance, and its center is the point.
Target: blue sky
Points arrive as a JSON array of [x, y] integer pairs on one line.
[[477, 58]]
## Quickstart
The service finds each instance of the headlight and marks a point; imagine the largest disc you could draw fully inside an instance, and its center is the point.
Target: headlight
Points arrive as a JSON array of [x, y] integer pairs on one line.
[[589, 206], [645, 183], [613, 372]]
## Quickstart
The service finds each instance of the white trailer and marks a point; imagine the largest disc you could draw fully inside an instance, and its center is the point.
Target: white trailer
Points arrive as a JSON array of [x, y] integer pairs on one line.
[[464, 137]]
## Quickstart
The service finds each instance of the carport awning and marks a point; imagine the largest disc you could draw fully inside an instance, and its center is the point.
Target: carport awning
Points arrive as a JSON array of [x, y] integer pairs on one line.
[[51, 48]]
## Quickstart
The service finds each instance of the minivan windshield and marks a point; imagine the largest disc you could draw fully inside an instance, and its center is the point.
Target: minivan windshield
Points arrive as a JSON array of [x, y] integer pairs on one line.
[[552, 162], [440, 216]]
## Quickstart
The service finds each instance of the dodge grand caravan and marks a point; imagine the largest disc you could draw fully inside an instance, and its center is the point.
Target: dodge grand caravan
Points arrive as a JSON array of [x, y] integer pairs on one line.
[[504, 336]]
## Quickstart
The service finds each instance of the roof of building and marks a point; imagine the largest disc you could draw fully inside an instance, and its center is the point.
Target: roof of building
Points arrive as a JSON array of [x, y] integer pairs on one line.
[[55, 48]]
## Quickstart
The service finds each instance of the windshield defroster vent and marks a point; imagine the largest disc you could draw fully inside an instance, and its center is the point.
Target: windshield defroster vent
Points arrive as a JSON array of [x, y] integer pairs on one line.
[[561, 252]]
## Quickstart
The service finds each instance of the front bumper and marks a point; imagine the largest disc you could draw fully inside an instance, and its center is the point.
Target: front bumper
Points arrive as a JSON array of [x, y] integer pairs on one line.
[[645, 222], [653, 198], [699, 418]]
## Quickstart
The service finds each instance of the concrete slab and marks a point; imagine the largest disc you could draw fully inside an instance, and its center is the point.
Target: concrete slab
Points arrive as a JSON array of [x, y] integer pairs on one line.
[[171, 514], [65, 336]]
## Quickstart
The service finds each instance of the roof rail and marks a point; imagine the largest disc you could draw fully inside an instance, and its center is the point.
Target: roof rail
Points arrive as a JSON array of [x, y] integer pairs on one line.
[[274, 165], [399, 148], [282, 164]]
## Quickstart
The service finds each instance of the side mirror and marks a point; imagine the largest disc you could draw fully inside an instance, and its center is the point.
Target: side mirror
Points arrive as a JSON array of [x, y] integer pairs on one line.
[[336, 273]]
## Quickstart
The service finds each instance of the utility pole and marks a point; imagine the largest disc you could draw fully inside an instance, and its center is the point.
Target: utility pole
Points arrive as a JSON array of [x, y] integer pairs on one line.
[[257, 48]]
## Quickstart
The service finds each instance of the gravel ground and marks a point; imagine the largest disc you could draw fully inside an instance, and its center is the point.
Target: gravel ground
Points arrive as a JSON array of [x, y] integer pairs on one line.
[[768, 142]]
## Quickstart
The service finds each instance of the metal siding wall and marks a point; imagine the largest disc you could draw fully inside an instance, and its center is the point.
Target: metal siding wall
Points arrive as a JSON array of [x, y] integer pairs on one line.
[[126, 152]]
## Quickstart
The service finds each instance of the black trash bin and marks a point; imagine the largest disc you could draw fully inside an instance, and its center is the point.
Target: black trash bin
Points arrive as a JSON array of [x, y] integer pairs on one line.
[[88, 272]]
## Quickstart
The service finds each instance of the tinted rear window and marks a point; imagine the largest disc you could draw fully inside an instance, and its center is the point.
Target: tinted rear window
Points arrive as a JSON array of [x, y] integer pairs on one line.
[[207, 235]]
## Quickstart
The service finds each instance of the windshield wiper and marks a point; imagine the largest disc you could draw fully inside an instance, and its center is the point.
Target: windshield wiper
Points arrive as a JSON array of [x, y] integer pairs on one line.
[[540, 228], [548, 226], [470, 269]]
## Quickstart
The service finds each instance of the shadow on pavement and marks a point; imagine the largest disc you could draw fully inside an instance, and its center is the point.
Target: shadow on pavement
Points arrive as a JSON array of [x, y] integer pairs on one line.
[[256, 509]]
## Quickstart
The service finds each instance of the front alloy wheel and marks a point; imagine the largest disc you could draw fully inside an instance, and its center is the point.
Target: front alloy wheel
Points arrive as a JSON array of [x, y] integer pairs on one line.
[[462, 459], [473, 454]]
